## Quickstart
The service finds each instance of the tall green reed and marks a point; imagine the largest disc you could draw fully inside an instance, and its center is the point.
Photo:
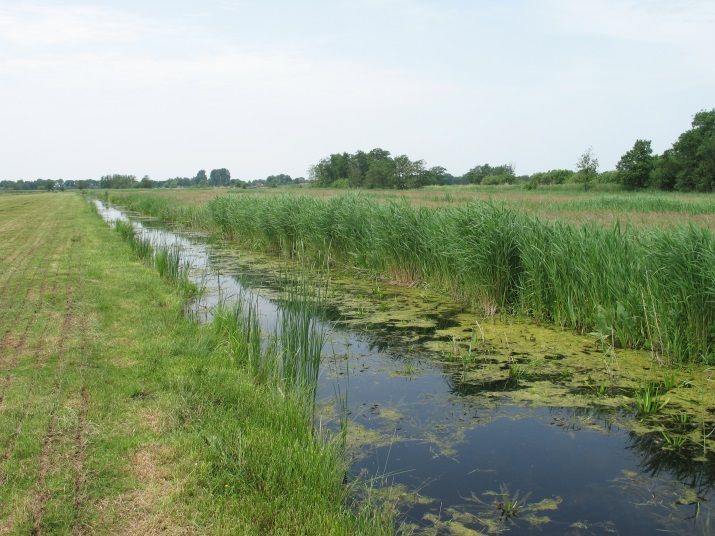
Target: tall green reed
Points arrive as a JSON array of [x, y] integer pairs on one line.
[[141, 246], [288, 357]]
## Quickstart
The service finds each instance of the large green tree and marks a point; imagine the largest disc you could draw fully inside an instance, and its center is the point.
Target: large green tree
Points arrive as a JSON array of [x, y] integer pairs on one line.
[[220, 177], [694, 154], [634, 167], [380, 174], [407, 173], [690, 163]]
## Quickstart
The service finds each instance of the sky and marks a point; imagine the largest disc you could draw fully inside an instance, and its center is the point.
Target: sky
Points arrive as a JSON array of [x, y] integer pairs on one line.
[[166, 88]]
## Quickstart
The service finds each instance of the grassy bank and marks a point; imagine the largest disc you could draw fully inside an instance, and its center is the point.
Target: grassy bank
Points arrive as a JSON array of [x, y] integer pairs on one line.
[[118, 415], [648, 288]]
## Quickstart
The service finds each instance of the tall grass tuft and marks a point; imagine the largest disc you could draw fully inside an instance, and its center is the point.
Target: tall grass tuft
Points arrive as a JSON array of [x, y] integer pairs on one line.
[[299, 340], [125, 229], [166, 260], [289, 357], [239, 324], [141, 246]]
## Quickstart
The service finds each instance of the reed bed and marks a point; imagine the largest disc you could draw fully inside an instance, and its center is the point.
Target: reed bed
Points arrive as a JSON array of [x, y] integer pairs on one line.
[[645, 288]]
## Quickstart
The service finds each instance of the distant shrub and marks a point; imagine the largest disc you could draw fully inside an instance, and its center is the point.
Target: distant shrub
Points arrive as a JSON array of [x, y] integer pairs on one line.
[[554, 176], [502, 178], [341, 184], [608, 177]]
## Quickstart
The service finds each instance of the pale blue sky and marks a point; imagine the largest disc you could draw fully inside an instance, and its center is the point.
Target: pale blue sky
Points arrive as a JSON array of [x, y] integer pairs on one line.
[[262, 87]]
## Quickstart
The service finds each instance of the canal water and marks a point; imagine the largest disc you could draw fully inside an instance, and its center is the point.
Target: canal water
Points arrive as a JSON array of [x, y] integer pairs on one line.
[[455, 456]]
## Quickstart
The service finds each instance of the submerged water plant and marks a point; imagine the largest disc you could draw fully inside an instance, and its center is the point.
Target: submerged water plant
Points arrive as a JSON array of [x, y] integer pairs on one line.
[[509, 507]]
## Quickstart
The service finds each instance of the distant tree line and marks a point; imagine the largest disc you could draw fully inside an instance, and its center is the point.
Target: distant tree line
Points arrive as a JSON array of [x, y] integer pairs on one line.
[[378, 169], [217, 177], [689, 165]]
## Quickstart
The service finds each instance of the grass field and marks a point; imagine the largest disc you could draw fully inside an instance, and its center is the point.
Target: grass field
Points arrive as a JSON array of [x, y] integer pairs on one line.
[[642, 286], [119, 415]]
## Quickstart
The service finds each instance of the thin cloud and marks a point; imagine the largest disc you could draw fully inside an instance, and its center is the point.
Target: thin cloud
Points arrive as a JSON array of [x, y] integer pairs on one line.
[[681, 23], [38, 25]]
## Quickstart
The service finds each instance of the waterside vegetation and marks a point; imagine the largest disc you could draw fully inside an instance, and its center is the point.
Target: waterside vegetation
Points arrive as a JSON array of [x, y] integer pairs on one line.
[[647, 287]]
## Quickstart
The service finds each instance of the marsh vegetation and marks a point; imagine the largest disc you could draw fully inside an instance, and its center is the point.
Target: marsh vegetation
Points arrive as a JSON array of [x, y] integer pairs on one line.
[[638, 287], [518, 380]]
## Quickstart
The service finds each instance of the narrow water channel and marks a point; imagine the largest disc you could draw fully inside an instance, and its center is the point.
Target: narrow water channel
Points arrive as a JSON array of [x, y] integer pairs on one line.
[[457, 456]]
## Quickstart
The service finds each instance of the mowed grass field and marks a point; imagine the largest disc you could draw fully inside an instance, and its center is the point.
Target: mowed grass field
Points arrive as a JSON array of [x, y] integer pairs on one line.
[[120, 416], [567, 203]]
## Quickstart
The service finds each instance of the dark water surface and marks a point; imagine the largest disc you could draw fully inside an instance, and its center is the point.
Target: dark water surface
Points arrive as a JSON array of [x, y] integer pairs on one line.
[[453, 459]]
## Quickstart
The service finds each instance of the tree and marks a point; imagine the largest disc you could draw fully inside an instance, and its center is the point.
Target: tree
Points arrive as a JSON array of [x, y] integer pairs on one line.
[[118, 181], [358, 166], [380, 174], [146, 182], [377, 169], [408, 174], [278, 180], [694, 154], [478, 173], [664, 171], [220, 177], [436, 175], [200, 178], [587, 166], [634, 167]]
